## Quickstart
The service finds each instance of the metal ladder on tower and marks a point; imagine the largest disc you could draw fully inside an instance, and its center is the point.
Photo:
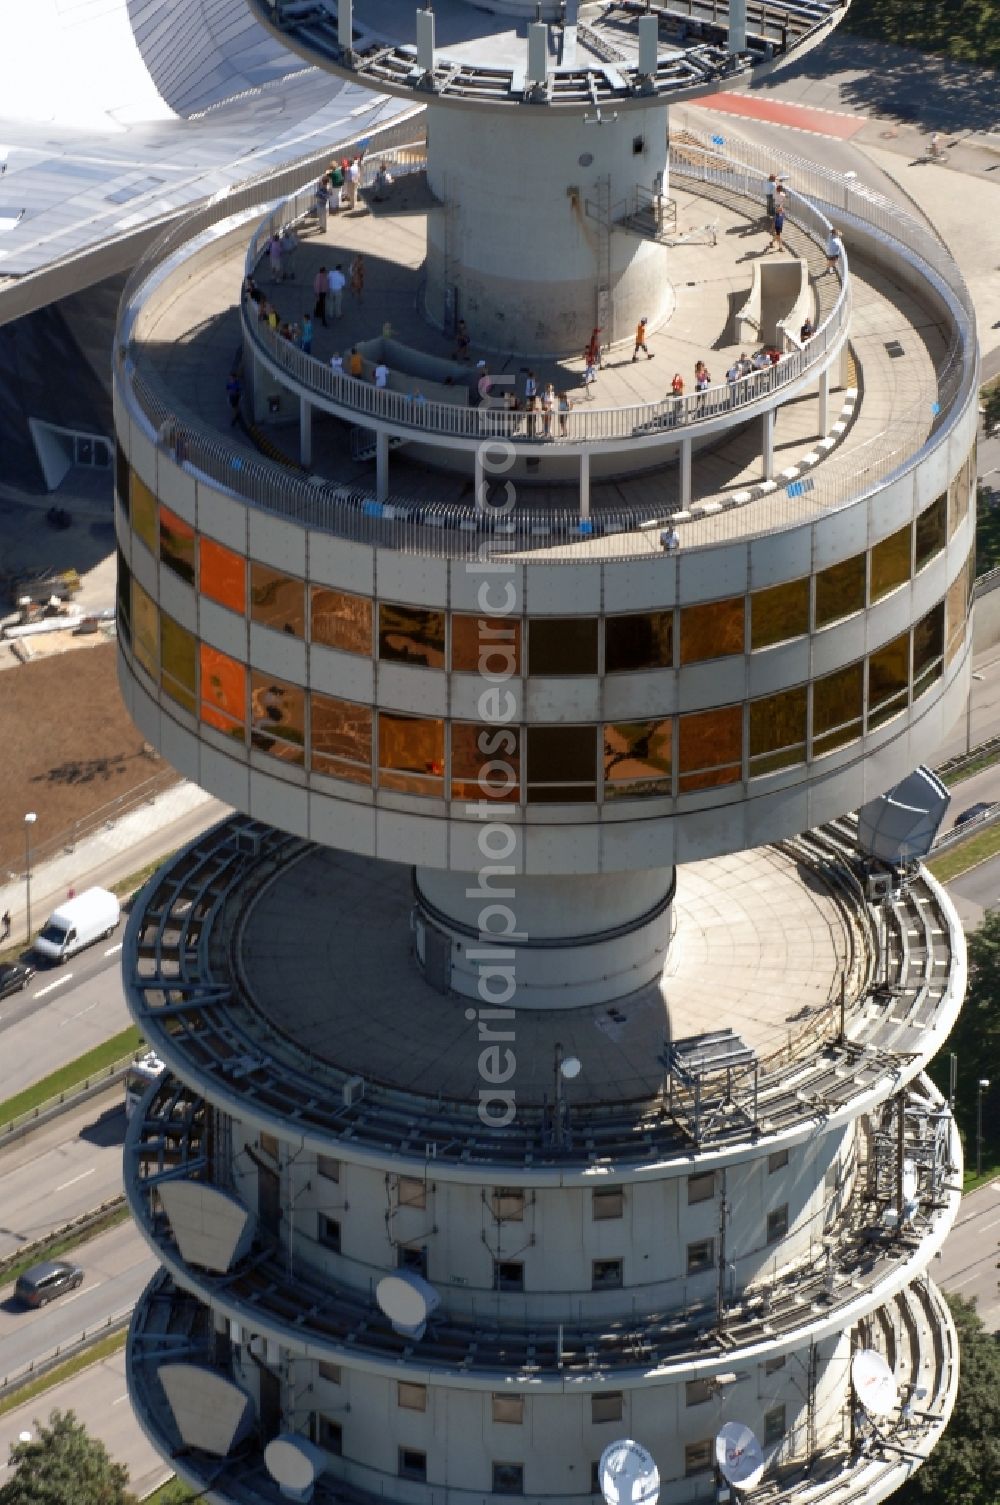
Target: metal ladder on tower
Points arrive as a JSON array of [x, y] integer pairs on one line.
[[599, 210]]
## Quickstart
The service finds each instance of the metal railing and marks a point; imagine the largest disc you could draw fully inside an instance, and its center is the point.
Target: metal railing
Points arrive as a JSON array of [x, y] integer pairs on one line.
[[360, 400], [456, 531], [105, 815]]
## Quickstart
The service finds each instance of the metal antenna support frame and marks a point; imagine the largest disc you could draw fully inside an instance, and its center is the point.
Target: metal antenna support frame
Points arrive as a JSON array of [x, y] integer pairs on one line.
[[712, 1084]]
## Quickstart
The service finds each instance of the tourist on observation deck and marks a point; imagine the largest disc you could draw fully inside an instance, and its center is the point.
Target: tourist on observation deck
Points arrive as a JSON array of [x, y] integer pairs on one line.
[[640, 340]]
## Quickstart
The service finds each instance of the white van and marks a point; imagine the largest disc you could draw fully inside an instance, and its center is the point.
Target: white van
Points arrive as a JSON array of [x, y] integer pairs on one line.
[[91, 916]]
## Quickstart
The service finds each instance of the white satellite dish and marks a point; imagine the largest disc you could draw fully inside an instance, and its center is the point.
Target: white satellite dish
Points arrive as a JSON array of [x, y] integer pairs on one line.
[[407, 1299], [874, 1382], [294, 1464], [909, 1180], [739, 1455], [570, 1067], [628, 1474]]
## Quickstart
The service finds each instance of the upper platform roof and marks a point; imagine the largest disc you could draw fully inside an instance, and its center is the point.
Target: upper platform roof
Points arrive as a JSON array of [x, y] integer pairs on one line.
[[593, 55]]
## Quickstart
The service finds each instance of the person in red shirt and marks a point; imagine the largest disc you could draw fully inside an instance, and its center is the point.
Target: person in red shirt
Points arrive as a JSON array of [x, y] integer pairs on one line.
[[677, 385]]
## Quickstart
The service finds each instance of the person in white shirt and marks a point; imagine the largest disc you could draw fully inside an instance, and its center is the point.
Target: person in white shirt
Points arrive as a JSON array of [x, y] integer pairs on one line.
[[670, 539], [337, 363], [381, 375], [336, 282], [834, 251], [353, 179]]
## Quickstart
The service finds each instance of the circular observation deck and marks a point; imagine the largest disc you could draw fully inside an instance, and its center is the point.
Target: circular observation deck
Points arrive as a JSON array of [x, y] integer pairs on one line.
[[314, 654], [593, 56], [269, 1053]]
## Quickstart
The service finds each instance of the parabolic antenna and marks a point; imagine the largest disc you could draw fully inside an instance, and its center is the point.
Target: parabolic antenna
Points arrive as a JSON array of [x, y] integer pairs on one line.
[[909, 1180], [628, 1474], [874, 1383], [407, 1299], [739, 1455], [294, 1464], [570, 1067]]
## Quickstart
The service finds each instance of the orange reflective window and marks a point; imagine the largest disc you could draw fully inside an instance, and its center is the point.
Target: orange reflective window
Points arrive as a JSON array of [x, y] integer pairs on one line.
[[411, 635], [145, 630], [341, 739], [712, 630], [778, 731], [778, 613], [223, 691], [638, 757], [222, 575], [486, 645], [144, 514], [485, 762], [178, 656], [277, 600], [277, 718], [177, 544], [411, 754], [341, 620], [711, 748]]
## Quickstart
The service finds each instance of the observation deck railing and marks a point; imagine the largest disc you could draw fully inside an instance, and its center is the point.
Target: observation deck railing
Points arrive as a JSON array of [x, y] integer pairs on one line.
[[362, 402], [457, 531]]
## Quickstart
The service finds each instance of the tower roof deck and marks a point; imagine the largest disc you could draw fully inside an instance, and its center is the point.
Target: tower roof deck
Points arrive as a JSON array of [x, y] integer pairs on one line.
[[172, 1325], [181, 336], [766, 959], [593, 55]]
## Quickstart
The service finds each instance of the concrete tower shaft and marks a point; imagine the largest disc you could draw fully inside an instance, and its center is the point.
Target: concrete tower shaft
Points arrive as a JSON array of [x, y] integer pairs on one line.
[[525, 247]]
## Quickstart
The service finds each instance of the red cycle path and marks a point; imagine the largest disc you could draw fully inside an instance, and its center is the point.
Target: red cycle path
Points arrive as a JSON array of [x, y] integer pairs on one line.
[[801, 117]]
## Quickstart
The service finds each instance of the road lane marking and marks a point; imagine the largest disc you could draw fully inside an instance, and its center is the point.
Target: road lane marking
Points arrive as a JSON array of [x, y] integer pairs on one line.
[[113, 950], [66, 977], [81, 1177], [987, 1226], [80, 1013], [119, 1401]]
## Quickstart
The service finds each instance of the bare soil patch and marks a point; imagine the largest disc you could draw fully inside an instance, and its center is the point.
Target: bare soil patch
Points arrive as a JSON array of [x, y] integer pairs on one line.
[[69, 748]]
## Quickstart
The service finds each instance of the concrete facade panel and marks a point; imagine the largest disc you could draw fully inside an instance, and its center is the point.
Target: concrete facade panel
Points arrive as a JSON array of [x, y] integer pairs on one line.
[[224, 629], [222, 517], [341, 563], [641, 584], [279, 544], [278, 653], [418, 692], [412, 578], [551, 590], [178, 599], [177, 489], [346, 675]]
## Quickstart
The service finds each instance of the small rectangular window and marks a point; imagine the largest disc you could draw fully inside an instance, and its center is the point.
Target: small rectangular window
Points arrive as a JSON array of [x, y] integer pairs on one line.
[[698, 1457], [777, 1161], [277, 600], [411, 1192], [411, 1397], [330, 1372], [328, 1167], [608, 1204], [771, 1366], [508, 1478], [700, 1256], [508, 1204], [774, 1425], [777, 1223], [508, 1275], [606, 1407], [606, 1275], [413, 1259], [508, 1410], [330, 1436], [411, 635], [329, 1233], [595, 1476], [697, 1392], [412, 1465], [701, 1188]]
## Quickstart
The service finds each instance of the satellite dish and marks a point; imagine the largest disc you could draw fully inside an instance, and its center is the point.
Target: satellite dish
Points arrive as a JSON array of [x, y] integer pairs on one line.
[[407, 1299], [570, 1067], [874, 1382], [294, 1464], [628, 1474], [909, 1180], [739, 1455]]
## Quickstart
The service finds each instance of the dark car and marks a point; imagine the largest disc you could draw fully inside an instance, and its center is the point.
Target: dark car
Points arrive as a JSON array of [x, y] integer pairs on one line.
[[14, 977], [973, 811], [44, 1282]]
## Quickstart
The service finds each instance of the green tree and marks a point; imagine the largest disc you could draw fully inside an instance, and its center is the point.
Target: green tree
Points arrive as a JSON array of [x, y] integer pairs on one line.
[[991, 402], [63, 1466], [964, 1468], [976, 1036], [964, 29]]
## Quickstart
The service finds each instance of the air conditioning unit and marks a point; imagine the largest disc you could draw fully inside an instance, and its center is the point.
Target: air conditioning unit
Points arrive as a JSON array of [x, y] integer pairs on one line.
[[353, 1091], [879, 887]]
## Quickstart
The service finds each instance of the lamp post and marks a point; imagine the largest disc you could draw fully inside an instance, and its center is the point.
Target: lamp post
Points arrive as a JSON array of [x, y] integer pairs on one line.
[[981, 1087], [29, 821]]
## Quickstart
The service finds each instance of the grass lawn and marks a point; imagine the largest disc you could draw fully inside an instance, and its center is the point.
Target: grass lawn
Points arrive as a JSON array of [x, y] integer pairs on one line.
[[59, 1247], [102, 1349], [73, 1074]]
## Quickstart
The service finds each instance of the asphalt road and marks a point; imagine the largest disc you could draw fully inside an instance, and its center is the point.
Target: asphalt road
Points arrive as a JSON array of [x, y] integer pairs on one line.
[[117, 1266], [99, 1399], [65, 1011], [968, 1262], [61, 1171]]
